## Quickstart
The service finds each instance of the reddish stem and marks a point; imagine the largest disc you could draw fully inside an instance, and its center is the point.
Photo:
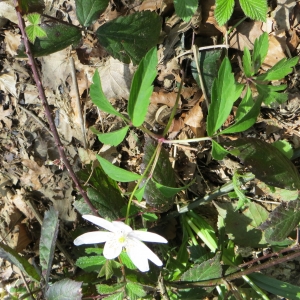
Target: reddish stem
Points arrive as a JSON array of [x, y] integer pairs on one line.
[[48, 112]]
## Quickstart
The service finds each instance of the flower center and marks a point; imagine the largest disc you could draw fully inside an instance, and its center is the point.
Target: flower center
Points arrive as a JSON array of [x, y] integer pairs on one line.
[[122, 239]]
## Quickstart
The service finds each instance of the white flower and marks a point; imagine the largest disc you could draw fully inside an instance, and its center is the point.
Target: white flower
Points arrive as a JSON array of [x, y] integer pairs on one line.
[[122, 236]]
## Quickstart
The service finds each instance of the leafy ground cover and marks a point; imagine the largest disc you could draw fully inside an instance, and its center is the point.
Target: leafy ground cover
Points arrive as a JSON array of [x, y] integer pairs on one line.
[[149, 149]]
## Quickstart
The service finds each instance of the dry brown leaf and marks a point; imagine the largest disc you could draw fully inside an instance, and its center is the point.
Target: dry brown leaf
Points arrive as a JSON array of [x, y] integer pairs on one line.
[[12, 42], [116, 78], [23, 238], [19, 201], [282, 13], [8, 83], [8, 11], [168, 99]]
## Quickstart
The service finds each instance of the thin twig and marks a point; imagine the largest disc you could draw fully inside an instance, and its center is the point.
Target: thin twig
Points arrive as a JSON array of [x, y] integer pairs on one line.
[[26, 285], [78, 104], [44, 101]]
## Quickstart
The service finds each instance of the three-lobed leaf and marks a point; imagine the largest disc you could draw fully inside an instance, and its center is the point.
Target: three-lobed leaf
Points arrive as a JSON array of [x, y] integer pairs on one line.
[[224, 92], [142, 88], [88, 11]]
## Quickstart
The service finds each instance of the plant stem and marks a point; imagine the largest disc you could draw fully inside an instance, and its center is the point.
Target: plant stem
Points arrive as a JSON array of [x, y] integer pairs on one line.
[[44, 101]]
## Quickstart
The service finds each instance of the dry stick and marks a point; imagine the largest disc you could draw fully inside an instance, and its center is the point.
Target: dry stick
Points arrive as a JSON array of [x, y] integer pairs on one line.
[[53, 129], [75, 84]]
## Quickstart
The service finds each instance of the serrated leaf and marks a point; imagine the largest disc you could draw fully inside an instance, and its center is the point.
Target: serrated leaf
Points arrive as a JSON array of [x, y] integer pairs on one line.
[[113, 138], [267, 163], [218, 152], [117, 173], [280, 70], [34, 18], [255, 9], [283, 219], [209, 269], [276, 287], [117, 296], [247, 64], [93, 250], [209, 62], [34, 31], [59, 36], [224, 92], [88, 11], [223, 11], [185, 9], [136, 289], [89, 261], [99, 99], [14, 258], [65, 289], [102, 190], [130, 37], [108, 289], [107, 269], [152, 195], [241, 227], [170, 191], [270, 95], [127, 261], [260, 51], [47, 241], [247, 114], [142, 88]]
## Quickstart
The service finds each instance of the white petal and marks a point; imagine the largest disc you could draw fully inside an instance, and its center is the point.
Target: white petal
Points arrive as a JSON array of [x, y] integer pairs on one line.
[[122, 227], [112, 249], [138, 252], [137, 257], [147, 236], [94, 237], [101, 222]]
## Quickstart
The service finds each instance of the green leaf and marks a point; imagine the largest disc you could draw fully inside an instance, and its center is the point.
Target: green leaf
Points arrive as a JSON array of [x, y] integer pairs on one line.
[[154, 197], [209, 62], [223, 11], [285, 147], [117, 173], [267, 163], [170, 191], [101, 192], [242, 227], [280, 70], [276, 287], [88, 11], [218, 152], [113, 138], [224, 92], [65, 289], [47, 241], [130, 37], [282, 220], [260, 51], [139, 193], [136, 289], [117, 296], [89, 261], [127, 261], [150, 217], [270, 95], [31, 6], [247, 63], [34, 31], [255, 9], [59, 36], [142, 88], [98, 97], [108, 289], [185, 9], [34, 18], [21, 262], [238, 191], [209, 269], [247, 114]]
